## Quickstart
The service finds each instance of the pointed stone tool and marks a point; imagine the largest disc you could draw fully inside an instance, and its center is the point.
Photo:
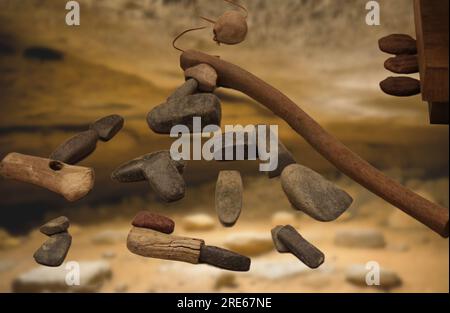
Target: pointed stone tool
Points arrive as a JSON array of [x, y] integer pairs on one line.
[[302, 249], [182, 110], [159, 170]]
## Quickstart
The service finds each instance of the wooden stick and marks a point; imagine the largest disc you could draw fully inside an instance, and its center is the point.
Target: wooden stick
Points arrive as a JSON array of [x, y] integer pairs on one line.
[[72, 182], [153, 244], [231, 76]]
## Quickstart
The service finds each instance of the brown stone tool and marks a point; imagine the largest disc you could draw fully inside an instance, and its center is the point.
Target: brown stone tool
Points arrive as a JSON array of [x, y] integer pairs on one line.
[[153, 244], [229, 194], [231, 76], [72, 182], [205, 75]]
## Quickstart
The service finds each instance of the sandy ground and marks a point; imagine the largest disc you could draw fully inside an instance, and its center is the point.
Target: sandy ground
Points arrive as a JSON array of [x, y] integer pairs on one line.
[[416, 254]]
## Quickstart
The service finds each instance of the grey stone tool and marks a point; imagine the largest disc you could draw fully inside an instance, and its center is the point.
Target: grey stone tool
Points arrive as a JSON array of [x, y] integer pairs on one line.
[[311, 193], [54, 250], [108, 126], [281, 248], [302, 249], [190, 87], [162, 173], [229, 189], [224, 259], [76, 148], [285, 157], [55, 226], [182, 106], [245, 142], [80, 146]]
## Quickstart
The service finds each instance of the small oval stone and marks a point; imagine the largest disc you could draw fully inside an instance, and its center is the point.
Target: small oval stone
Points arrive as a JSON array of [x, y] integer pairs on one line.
[[312, 194], [108, 126], [187, 89], [55, 226], [54, 250], [205, 75], [76, 148], [181, 111], [229, 190], [146, 219]]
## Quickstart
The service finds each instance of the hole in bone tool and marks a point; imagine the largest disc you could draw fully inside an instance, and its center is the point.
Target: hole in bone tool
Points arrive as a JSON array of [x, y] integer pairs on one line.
[[55, 165]]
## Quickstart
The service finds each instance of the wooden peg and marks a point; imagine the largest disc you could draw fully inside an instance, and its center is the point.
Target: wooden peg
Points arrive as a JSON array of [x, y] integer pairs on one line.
[[400, 86], [72, 182], [402, 64], [398, 44]]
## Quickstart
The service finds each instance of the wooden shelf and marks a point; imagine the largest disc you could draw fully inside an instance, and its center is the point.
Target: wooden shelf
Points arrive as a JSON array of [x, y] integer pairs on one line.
[[431, 19]]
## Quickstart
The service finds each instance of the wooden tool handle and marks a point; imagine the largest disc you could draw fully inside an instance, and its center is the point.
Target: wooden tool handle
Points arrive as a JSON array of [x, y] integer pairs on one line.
[[231, 76], [72, 182], [153, 244]]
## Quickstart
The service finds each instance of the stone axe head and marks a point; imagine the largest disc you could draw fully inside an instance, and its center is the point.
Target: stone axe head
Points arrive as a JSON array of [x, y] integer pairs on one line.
[[162, 173], [181, 111]]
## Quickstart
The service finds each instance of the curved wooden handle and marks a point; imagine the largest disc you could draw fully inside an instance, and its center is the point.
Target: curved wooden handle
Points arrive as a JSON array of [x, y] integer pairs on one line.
[[231, 76]]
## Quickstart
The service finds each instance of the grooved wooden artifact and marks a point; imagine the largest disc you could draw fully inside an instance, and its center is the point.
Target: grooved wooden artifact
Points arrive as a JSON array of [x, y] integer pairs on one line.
[[153, 244]]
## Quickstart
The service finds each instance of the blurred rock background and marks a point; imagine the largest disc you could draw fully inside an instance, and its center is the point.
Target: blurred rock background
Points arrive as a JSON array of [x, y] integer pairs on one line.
[[120, 60]]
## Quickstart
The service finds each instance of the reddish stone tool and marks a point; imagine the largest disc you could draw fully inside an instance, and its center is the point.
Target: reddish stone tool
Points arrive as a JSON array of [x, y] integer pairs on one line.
[[231, 76]]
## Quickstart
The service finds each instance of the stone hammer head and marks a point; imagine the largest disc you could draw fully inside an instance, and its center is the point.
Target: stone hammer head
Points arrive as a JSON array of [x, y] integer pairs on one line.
[[182, 110], [162, 173]]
